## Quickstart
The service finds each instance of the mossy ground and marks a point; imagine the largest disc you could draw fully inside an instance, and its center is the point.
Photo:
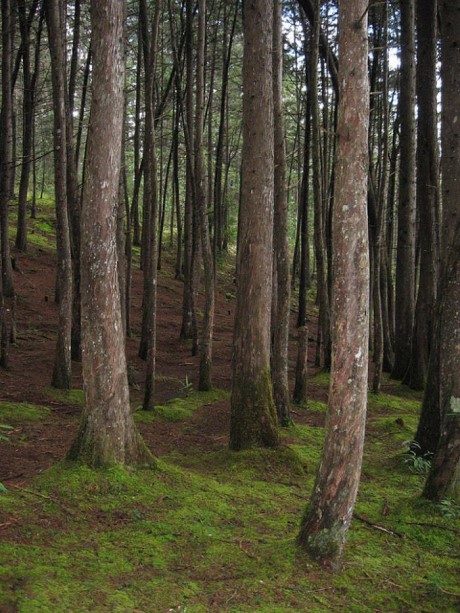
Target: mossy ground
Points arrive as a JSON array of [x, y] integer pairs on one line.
[[216, 531]]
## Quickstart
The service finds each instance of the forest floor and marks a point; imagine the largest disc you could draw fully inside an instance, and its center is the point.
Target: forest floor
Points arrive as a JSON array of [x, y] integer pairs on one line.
[[209, 529]]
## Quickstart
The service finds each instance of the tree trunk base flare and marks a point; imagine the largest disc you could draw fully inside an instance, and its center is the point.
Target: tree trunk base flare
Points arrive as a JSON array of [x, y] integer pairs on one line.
[[323, 542], [98, 449], [254, 421]]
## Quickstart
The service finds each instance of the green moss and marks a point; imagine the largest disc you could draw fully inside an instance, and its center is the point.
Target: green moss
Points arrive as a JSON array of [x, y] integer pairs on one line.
[[179, 409], [73, 396], [14, 412], [216, 531], [321, 378]]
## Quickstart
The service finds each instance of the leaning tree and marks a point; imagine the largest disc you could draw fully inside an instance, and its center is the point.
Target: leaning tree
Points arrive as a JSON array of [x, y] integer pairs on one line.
[[328, 517]]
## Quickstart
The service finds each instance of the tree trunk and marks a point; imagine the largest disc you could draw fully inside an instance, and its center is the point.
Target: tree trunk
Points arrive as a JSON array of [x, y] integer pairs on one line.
[[280, 236], [444, 478], [107, 433], [253, 415], [405, 256], [205, 378], [427, 190], [150, 227], [328, 517], [62, 372], [6, 148]]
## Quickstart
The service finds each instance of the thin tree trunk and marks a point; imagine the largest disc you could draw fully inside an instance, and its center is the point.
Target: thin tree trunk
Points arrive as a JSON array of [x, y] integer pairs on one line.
[[6, 148], [205, 374], [280, 235], [405, 262], [62, 372]]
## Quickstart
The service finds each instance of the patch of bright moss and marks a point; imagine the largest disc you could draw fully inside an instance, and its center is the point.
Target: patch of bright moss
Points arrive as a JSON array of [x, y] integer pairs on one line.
[[321, 378], [13, 412], [179, 409], [73, 396], [390, 403]]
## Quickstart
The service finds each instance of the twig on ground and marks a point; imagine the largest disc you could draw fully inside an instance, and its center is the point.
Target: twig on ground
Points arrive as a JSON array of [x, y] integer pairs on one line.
[[378, 526]]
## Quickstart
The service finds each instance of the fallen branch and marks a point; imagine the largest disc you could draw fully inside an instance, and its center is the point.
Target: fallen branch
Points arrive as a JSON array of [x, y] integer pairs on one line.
[[378, 526]]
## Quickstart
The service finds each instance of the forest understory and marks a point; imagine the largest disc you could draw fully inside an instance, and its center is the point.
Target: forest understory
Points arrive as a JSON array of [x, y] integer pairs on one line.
[[208, 529]]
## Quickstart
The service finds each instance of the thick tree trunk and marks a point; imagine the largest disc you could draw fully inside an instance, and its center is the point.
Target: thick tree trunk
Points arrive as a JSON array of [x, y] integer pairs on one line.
[[427, 190], [107, 433], [444, 478], [328, 517], [253, 414]]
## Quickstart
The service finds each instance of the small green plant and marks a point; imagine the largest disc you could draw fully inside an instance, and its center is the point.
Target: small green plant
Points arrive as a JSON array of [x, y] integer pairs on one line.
[[187, 386], [3, 437], [419, 464], [449, 508]]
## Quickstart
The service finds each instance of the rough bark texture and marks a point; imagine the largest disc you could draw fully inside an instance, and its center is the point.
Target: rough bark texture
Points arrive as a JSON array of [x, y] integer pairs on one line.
[[62, 371], [280, 236], [6, 148], [324, 338], [328, 517], [107, 433], [427, 190], [150, 200], [405, 256], [444, 478], [253, 415]]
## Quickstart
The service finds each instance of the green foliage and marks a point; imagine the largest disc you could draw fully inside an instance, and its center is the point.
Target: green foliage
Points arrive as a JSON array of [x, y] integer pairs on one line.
[[187, 386], [3, 437], [417, 463], [449, 509], [4, 427]]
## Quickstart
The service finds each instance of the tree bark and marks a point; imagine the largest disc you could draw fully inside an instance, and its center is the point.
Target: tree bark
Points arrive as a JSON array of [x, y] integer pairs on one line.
[[6, 148], [253, 415], [328, 517], [444, 478], [405, 256], [427, 190], [205, 374], [107, 433], [62, 372], [280, 235]]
